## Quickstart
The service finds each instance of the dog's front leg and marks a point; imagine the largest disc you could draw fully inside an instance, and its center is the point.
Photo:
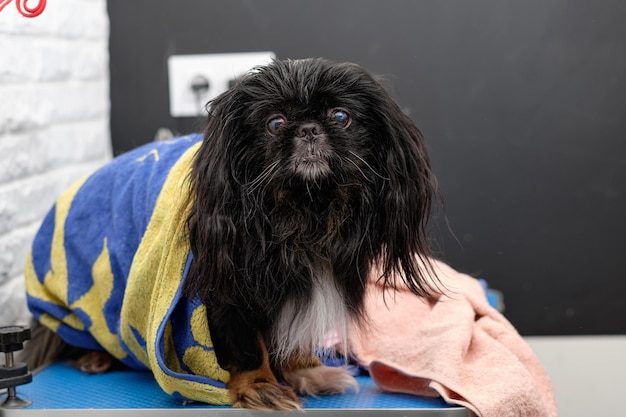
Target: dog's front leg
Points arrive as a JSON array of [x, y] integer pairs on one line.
[[241, 350]]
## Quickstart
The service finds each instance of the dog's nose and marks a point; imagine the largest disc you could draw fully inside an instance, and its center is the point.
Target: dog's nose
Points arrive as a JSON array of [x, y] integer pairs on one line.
[[309, 129]]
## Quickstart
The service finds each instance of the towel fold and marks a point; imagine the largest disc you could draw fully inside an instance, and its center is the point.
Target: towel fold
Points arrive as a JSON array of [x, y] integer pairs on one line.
[[458, 347]]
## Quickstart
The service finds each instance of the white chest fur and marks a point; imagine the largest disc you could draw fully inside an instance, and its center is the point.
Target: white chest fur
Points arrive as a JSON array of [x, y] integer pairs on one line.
[[304, 325]]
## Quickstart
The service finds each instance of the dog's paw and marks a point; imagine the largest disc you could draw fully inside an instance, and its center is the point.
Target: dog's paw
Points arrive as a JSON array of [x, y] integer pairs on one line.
[[265, 396], [321, 380], [95, 362], [259, 390]]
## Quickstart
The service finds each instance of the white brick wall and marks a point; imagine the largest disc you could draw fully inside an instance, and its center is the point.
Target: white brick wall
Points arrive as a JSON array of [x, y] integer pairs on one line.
[[54, 122]]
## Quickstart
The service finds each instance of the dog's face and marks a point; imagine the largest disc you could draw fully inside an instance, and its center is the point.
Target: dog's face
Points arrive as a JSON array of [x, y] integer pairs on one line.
[[307, 122], [303, 145], [316, 128]]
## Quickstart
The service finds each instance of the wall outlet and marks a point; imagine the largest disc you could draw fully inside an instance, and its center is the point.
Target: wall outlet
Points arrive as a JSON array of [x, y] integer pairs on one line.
[[196, 79]]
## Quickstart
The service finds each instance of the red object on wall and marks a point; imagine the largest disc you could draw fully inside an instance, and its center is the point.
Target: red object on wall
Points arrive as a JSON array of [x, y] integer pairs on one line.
[[24, 9]]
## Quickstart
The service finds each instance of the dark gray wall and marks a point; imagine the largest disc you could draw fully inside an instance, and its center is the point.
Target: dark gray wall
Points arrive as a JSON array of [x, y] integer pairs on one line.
[[523, 105]]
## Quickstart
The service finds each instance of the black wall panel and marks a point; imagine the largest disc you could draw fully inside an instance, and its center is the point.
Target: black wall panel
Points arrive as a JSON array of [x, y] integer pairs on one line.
[[523, 105]]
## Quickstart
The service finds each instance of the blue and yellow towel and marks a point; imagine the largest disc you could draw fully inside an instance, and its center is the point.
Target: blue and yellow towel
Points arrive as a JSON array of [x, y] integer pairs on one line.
[[108, 263]]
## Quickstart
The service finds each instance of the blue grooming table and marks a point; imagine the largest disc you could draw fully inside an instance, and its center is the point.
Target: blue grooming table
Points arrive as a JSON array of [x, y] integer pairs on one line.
[[60, 390]]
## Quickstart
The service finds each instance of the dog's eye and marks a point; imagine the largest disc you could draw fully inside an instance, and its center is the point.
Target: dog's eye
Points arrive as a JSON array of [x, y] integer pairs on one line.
[[340, 116], [275, 123]]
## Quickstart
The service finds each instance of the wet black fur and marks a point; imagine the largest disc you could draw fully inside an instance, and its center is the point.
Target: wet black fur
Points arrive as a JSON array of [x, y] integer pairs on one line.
[[258, 234]]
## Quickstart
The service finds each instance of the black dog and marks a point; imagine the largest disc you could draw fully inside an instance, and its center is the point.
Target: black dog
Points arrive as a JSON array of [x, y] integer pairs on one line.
[[308, 177], [309, 174]]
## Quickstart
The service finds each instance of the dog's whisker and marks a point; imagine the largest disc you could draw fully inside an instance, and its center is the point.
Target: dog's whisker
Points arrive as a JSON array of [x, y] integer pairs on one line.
[[255, 198], [260, 180], [360, 158], [358, 167]]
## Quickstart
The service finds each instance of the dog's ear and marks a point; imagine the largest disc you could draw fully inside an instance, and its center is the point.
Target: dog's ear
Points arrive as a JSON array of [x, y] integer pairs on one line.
[[409, 195], [212, 231]]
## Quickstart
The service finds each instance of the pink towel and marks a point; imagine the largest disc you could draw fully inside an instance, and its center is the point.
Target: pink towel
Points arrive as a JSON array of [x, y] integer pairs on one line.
[[459, 348]]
